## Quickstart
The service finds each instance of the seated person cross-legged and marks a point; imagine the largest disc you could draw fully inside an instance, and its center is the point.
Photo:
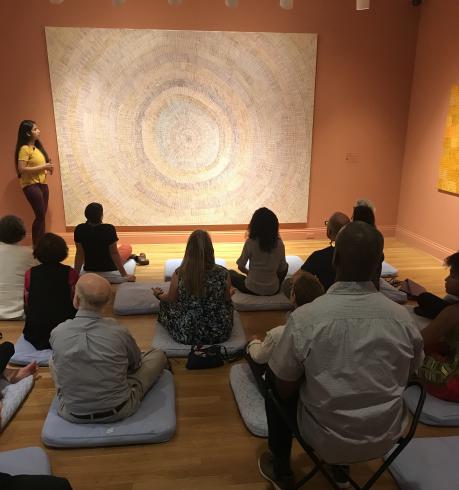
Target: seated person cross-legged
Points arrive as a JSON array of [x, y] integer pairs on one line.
[[305, 289], [48, 291], [97, 367], [364, 211], [96, 245], [266, 253], [429, 305], [14, 261], [440, 369], [197, 308], [319, 262], [341, 366]]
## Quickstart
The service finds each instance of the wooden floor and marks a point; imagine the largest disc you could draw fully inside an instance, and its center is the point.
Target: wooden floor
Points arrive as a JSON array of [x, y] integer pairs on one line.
[[211, 448]]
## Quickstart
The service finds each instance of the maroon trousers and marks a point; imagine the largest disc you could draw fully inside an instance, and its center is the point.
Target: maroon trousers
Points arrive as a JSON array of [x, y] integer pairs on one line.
[[37, 195]]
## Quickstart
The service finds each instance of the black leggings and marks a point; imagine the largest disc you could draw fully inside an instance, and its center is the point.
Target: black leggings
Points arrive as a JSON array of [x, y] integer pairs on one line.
[[238, 281], [6, 353]]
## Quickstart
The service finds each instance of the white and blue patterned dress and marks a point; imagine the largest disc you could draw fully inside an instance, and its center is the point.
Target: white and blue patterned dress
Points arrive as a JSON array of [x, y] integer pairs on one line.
[[207, 319]]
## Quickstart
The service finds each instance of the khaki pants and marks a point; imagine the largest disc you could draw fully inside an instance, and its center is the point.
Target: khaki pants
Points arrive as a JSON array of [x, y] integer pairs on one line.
[[140, 382]]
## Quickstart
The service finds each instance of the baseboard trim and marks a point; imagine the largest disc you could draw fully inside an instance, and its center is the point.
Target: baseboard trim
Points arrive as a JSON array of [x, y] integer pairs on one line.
[[433, 248], [218, 236]]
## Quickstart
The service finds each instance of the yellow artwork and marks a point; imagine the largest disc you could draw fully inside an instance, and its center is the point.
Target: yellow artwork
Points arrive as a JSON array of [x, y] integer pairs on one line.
[[449, 164]]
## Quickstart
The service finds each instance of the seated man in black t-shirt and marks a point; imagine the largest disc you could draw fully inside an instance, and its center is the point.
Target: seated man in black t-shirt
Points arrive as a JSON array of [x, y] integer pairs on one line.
[[319, 263], [96, 245]]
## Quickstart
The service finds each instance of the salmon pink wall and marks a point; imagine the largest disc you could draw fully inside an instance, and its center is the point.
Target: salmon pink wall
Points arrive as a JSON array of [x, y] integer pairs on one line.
[[364, 72], [427, 217]]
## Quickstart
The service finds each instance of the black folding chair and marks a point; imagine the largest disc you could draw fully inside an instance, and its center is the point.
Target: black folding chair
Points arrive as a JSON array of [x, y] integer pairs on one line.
[[321, 465]]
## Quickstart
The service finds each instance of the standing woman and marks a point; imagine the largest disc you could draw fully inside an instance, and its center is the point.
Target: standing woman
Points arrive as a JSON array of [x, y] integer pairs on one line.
[[32, 165], [266, 253]]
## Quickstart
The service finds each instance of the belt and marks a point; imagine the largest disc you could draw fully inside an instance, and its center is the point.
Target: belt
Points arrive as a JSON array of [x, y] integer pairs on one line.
[[100, 415]]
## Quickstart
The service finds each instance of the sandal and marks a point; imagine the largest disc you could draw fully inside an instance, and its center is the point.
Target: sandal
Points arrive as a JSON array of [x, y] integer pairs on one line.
[[142, 259]]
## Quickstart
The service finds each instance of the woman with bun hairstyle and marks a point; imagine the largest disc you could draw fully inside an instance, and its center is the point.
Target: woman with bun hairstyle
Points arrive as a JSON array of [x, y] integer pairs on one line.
[[32, 165]]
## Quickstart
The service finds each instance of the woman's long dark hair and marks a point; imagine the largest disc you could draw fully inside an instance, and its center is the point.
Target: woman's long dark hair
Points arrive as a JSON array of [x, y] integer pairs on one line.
[[24, 135], [264, 227]]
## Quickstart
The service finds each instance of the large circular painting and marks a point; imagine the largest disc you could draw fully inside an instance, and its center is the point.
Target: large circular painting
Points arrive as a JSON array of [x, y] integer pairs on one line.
[[183, 127]]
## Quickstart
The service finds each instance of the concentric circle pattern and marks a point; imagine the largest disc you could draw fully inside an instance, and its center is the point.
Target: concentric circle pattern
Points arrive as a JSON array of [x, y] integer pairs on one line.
[[183, 127]]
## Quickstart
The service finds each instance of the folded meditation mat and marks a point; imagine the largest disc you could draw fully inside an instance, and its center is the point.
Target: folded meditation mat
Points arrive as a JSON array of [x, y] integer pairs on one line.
[[435, 411], [154, 422], [172, 264], [388, 270], [249, 400], [114, 277], [162, 340], [252, 302], [25, 352], [137, 298], [25, 461], [13, 394], [428, 463]]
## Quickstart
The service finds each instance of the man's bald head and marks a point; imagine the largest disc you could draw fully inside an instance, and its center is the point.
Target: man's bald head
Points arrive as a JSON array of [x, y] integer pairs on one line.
[[358, 252], [92, 292], [335, 223]]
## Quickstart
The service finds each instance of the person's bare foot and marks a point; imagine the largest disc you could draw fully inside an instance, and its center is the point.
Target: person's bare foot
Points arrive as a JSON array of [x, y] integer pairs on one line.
[[29, 370]]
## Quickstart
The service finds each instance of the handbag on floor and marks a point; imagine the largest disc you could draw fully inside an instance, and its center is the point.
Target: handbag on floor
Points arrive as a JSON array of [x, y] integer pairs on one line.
[[206, 357], [210, 357]]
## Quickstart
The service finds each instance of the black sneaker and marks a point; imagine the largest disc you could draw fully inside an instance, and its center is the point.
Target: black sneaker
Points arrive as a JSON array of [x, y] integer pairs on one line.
[[340, 475], [265, 465]]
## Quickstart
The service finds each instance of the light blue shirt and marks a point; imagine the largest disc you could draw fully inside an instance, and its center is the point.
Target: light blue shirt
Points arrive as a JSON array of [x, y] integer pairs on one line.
[[91, 358], [355, 349]]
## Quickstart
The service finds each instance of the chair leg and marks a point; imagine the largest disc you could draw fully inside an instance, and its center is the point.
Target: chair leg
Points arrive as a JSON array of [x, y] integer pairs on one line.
[[307, 477], [319, 465]]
